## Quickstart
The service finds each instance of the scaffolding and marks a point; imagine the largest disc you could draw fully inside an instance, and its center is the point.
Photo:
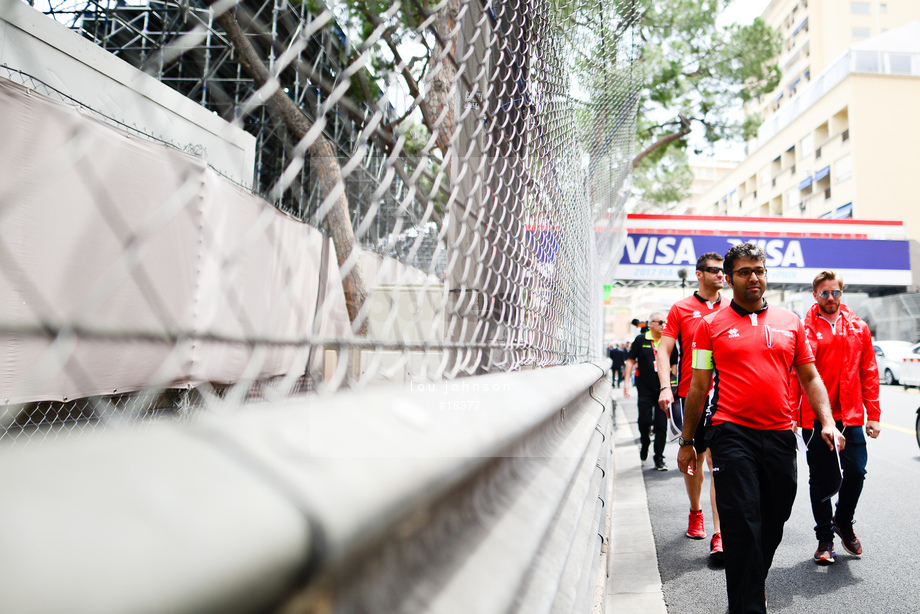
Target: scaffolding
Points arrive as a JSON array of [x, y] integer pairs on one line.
[[208, 73]]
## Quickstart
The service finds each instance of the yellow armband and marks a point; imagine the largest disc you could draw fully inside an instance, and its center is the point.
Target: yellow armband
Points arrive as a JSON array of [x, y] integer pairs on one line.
[[702, 359]]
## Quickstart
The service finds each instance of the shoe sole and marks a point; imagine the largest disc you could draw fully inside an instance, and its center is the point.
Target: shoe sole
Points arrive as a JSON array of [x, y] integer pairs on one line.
[[703, 536], [717, 555], [853, 552], [824, 561]]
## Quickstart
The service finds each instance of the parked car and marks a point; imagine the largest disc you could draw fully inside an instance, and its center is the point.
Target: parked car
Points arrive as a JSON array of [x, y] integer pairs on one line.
[[910, 368], [888, 355]]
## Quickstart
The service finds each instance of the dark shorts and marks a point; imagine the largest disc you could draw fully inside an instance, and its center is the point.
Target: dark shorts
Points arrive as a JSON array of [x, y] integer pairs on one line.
[[677, 418]]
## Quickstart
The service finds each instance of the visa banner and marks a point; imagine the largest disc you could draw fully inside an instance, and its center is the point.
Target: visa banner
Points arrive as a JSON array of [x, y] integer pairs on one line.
[[659, 257]]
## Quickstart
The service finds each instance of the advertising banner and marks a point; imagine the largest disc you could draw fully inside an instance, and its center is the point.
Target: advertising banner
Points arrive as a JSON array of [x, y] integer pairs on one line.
[[659, 257]]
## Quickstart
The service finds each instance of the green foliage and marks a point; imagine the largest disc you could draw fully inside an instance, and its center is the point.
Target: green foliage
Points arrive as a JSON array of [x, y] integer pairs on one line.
[[700, 71], [663, 179], [750, 125]]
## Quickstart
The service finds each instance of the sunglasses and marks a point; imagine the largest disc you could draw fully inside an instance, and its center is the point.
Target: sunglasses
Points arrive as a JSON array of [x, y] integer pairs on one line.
[[660, 322], [715, 270], [824, 293]]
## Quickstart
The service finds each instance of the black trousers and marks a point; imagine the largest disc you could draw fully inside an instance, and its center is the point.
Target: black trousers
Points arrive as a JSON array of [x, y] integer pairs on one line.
[[755, 479], [652, 415]]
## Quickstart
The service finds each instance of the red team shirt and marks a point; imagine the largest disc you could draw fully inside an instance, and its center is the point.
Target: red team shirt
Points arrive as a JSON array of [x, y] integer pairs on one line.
[[752, 356], [683, 319]]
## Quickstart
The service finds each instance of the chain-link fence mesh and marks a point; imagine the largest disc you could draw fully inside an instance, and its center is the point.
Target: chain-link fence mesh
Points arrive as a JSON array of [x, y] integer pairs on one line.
[[895, 317], [437, 191]]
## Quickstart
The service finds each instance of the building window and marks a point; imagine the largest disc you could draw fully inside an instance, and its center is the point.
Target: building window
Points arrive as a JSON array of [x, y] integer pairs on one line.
[[883, 8], [843, 168], [861, 33], [867, 61], [807, 145], [899, 63], [846, 136], [859, 8]]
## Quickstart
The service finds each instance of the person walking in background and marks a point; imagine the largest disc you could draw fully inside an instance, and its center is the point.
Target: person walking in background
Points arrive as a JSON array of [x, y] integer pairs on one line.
[[845, 359], [618, 356], [642, 354], [613, 376], [682, 322], [751, 348]]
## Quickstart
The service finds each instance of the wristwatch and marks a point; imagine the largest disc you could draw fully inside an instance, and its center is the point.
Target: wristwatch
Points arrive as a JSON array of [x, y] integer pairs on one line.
[[684, 442]]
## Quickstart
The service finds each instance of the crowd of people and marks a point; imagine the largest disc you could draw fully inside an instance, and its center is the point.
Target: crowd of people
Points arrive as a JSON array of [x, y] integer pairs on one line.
[[744, 385]]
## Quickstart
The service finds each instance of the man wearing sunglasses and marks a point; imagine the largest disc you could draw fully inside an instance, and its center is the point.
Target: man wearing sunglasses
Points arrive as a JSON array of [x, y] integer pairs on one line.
[[643, 354], [683, 319], [747, 351], [845, 359]]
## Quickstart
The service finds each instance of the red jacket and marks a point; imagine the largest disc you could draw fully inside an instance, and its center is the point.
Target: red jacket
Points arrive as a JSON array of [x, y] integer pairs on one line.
[[859, 379]]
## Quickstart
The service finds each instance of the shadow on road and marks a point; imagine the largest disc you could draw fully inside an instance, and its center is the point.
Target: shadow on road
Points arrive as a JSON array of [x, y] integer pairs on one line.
[[808, 581]]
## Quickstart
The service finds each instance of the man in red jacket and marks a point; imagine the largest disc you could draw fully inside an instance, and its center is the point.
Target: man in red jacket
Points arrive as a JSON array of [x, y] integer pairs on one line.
[[845, 360]]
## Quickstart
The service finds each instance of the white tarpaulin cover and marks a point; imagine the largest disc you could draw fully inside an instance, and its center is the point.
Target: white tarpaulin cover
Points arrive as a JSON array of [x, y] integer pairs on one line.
[[135, 245]]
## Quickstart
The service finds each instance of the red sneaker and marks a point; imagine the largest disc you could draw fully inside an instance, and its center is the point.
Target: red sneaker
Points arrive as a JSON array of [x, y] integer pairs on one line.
[[715, 547], [695, 528]]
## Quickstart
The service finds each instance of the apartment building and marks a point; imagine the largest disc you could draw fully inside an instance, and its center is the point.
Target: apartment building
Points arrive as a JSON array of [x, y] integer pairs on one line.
[[846, 143], [816, 32], [706, 173]]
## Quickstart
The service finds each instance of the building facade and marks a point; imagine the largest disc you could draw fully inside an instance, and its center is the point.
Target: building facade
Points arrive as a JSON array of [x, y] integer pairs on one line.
[[706, 173], [816, 32], [844, 142]]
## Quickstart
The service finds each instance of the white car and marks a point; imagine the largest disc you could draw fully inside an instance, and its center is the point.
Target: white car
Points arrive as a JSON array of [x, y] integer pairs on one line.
[[888, 355], [910, 370]]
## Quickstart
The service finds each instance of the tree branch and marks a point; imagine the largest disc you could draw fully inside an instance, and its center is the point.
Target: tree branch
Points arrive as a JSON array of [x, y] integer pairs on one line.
[[668, 138]]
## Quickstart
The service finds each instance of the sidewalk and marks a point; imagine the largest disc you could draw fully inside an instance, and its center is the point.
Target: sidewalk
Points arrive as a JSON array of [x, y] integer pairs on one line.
[[633, 581]]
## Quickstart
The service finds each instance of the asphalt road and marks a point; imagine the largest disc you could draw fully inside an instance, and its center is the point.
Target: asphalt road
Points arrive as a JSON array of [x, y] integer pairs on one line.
[[885, 579]]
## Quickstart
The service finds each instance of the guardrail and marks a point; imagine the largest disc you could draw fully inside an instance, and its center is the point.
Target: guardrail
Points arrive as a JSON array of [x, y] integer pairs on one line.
[[484, 494]]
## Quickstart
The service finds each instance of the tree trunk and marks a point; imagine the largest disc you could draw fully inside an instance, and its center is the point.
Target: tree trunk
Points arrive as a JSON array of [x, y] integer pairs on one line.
[[337, 221], [442, 75]]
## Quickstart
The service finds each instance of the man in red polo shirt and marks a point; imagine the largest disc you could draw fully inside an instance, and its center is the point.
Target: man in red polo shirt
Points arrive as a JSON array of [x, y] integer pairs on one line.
[[845, 359], [683, 319], [747, 351]]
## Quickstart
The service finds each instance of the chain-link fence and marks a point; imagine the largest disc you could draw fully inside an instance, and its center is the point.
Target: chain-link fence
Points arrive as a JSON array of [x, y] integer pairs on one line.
[[894, 317], [397, 191]]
